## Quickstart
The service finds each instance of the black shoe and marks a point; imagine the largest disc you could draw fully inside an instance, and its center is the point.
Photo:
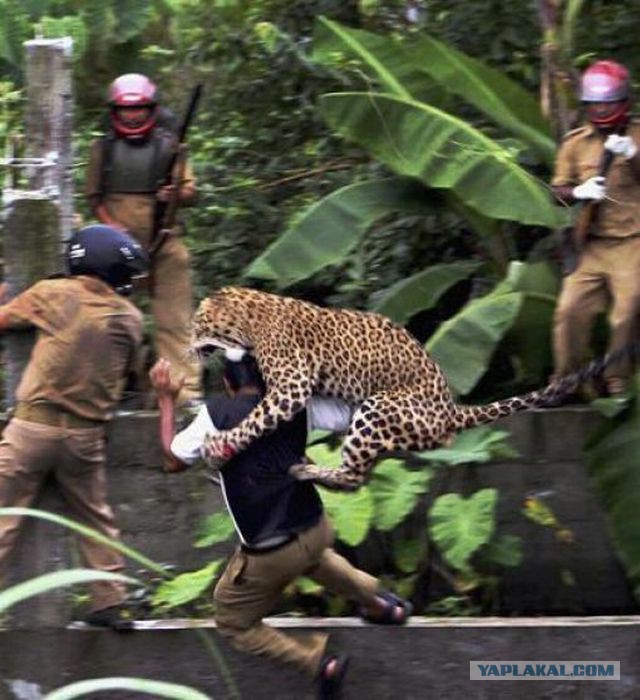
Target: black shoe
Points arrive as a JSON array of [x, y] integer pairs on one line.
[[116, 617], [329, 684]]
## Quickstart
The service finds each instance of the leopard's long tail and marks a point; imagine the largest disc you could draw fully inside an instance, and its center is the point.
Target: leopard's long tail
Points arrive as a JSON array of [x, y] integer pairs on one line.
[[551, 395]]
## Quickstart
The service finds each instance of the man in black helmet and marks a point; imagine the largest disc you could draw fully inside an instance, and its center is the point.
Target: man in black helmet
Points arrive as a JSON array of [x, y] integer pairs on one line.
[[125, 168], [87, 337]]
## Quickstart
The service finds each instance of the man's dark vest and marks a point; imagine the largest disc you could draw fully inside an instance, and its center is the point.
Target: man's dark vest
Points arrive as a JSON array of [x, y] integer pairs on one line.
[[265, 501], [136, 166]]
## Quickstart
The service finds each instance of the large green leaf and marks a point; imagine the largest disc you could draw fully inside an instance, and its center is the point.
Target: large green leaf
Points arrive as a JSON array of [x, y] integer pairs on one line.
[[332, 227], [56, 579], [460, 526], [158, 689], [216, 528], [186, 587], [423, 290], [529, 339], [385, 60], [405, 68], [476, 445], [351, 514], [443, 151], [489, 90], [395, 492], [612, 460], [463, 345]]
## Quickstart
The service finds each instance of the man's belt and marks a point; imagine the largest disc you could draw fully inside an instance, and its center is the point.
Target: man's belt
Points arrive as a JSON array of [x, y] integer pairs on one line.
[[54, 415]]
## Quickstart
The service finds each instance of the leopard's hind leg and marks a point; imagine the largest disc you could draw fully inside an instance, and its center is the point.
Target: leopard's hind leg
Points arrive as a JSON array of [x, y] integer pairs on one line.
[[400, 420]]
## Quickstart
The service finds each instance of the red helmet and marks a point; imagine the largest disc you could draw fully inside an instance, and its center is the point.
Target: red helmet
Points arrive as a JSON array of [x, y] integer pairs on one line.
[[607, 81], [133, 90]]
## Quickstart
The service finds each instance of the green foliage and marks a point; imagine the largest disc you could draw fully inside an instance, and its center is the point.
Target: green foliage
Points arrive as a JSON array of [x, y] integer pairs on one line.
[[422, 291], [464, 344], [612, 459], [329, 230], [460, 526], [186, 587], [215, 529], [474, 446], [56, 579], [444, 151], [396, 492]]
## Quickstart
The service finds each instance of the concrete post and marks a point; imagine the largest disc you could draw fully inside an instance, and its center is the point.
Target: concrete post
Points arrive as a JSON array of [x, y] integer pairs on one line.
[[39, 219]]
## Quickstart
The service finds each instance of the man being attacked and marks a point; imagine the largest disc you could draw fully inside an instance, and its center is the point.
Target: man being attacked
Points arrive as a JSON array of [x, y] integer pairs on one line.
[[283, 530]]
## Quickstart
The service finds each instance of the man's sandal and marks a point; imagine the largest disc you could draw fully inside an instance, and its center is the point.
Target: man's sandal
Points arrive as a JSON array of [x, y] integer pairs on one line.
[[329, 683], [389, 615]]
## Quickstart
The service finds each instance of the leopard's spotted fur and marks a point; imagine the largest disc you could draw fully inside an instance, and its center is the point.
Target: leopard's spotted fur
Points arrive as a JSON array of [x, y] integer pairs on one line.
[[402, 398]]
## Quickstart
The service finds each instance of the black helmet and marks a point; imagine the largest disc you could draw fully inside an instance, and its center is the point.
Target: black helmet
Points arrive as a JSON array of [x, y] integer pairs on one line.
[[105, 252]]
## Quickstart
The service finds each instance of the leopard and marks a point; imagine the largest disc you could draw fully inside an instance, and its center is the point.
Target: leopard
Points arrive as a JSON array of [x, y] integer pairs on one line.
[[400, 397]]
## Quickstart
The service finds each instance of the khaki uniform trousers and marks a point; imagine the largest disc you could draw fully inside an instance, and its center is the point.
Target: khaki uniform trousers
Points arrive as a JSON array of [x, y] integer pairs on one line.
[[252, 583], [76, 457], [172, 309], [608, 275]]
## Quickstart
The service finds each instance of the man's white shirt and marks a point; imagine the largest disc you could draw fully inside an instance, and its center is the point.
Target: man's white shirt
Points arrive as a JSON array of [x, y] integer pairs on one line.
[[322, 414]]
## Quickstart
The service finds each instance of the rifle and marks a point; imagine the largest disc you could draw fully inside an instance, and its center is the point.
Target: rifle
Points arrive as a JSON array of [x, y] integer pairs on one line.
[[574, 239], [164, 212]]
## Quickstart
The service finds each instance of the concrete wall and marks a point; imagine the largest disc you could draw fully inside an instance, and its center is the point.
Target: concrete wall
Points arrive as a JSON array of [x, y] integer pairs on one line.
[[422, 660], [159, 514]]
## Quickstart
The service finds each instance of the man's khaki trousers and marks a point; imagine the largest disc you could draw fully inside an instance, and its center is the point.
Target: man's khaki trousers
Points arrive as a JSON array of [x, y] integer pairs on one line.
[[252, 583], [172, 309], [608, 276], [76, 457]]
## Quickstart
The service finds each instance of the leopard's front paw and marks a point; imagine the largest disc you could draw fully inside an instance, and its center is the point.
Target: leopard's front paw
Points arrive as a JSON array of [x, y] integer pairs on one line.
[[217, 450]]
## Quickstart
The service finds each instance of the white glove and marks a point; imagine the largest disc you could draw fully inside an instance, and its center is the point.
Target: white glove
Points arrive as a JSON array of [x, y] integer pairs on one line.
[[621, 145], [593, 188]]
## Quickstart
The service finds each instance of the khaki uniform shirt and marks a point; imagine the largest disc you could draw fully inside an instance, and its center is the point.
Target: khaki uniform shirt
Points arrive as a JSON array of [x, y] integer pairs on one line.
[[133, 211], [87, 340], [578, 159]]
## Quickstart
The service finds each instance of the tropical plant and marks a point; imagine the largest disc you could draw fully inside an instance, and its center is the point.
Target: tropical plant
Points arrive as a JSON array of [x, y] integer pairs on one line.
[[444, 162], [48, 581]]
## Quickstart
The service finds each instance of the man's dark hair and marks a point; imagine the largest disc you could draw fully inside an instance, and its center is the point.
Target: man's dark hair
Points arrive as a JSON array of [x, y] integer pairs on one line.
[[243, 374]]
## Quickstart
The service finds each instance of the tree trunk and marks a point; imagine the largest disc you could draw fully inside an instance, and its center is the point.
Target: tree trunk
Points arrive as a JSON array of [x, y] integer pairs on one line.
[[557, 80]]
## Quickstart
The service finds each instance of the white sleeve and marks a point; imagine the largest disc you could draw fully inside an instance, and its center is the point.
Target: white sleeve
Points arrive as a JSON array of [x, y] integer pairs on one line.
[[187, 444], [325, 413]]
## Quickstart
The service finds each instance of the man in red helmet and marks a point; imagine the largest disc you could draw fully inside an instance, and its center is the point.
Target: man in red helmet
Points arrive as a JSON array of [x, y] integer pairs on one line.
[[608, 272], [125, 167]]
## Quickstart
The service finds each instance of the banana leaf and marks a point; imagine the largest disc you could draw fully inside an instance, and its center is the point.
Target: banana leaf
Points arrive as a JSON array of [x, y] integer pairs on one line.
[[402, 68], [335, 225], [488, 90], [464, 344], [443, 151], [529, 339], [384, 60], [157, 689], [423, 290]]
